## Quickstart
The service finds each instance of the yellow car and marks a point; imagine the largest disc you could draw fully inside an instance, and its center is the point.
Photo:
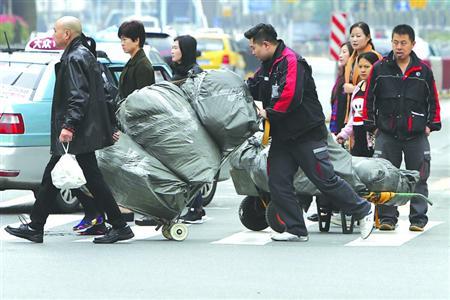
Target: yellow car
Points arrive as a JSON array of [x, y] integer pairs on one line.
[[218, 51]]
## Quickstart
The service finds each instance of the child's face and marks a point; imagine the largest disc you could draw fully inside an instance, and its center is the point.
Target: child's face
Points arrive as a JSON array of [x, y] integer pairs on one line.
[[364, 68]]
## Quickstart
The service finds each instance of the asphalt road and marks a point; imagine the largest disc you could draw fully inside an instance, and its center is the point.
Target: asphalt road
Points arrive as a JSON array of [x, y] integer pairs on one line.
[[222, 259]]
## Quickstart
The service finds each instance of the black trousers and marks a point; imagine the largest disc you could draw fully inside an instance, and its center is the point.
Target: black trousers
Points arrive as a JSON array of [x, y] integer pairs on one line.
[[95, 183], [312, 157], [417, 157]]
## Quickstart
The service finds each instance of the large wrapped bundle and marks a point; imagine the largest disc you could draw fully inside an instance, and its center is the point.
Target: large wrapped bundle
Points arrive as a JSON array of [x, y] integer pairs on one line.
[[379, 175], [160, 120], [363, 174], [223, 105], [140, 182]]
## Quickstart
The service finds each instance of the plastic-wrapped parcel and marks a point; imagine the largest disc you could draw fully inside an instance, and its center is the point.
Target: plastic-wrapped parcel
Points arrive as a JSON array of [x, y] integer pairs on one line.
[[223, 105], [160, 119], [363, 174], [140, 182]]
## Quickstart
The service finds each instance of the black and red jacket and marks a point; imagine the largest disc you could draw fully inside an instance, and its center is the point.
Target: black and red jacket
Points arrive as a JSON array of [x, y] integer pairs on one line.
[[294, 111], [401, 105]]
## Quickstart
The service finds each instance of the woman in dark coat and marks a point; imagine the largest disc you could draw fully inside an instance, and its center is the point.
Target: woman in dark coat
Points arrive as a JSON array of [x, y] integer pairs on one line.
[[138, 72], [184, 63]]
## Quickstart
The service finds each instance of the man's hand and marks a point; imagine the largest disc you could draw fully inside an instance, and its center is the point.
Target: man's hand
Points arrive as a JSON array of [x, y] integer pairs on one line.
[[65, 136], [116, 136], [262, 113], [427, 131], [348, 88]]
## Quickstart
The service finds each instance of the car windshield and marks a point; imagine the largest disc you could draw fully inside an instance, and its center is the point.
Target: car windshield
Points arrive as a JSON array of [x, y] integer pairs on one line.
[[209, 44], [19, 80]]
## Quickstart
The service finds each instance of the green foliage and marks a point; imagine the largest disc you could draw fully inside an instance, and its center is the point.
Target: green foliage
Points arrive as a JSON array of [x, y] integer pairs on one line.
[[9, 29]]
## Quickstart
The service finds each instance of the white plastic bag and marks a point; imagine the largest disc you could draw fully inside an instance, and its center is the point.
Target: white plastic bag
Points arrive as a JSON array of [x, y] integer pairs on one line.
[[67, 173]]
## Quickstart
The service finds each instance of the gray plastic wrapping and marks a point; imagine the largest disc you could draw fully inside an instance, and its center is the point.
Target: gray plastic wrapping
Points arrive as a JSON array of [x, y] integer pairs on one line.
[[363, 174], [160, 119], [380, 175], [140, 182], [223, 105]]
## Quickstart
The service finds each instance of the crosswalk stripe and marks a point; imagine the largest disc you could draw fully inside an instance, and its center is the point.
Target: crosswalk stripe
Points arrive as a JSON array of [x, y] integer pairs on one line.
[[400, 236], [28, 199], [52, 222], [249, 237], [140, 233]]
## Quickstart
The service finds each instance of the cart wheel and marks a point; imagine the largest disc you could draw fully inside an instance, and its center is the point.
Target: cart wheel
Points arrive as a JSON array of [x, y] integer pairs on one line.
[[252, 213], [178, 231], [165, 230], [273, 219]]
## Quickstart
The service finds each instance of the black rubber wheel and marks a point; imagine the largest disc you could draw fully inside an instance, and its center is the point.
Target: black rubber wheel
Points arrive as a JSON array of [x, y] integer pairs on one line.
[[252, 213], [273, 219], [208, 190]]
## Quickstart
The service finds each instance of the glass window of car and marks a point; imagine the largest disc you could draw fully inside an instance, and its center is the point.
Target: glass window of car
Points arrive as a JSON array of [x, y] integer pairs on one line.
[[208, 44], [19, 80]]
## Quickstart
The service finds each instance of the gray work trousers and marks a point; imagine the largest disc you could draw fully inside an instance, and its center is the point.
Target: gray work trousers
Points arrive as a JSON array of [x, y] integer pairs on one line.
[[417, 156]]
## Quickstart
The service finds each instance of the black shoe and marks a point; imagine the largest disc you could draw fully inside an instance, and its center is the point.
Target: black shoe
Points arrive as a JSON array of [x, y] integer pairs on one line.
[[146, 221], [193, 216], [313, 218], [115, 235], [99, 229], [26, 232], [128, 216]]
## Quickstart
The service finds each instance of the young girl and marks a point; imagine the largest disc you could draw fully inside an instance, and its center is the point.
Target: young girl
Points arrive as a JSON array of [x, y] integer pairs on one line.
[[362, 145], [338, 96]]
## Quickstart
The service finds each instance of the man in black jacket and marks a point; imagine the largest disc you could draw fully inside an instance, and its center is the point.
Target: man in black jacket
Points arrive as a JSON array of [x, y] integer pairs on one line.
[[79, 117], [402, 105], [285, 85]]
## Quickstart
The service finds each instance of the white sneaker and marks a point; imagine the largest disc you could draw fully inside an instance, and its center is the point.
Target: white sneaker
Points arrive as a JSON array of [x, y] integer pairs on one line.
[[366, 223], [288, 237]]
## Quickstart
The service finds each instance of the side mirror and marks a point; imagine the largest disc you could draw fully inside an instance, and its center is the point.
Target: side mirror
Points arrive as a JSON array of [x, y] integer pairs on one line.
[[199, 53]]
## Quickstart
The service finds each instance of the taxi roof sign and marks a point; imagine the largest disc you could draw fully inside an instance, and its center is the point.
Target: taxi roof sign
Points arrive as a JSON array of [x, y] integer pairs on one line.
[[42, 44]]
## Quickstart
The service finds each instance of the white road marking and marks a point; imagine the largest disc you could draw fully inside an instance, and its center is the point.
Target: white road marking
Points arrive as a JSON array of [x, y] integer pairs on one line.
[[28, 199], [249, 237], [52, 222], [140, 233], [400, 236]]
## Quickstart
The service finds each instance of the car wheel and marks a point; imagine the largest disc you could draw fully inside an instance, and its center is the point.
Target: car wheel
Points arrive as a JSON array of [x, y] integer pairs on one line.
[[66, 203], [208, 190]]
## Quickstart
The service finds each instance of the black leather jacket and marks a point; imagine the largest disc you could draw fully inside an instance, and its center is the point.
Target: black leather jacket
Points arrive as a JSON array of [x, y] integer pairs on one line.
[[79, 102]]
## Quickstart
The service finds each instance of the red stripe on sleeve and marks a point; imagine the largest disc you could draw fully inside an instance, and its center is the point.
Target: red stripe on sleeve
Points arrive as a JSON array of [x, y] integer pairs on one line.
[[290, 86], [437, 115]]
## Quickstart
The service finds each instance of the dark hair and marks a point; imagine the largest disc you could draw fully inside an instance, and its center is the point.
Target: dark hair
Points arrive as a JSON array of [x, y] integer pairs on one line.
[[404, 29], [349, 47], [89, 43], [188, 48], [366, 30], [371, 57], [132, 30], [262, 32]]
